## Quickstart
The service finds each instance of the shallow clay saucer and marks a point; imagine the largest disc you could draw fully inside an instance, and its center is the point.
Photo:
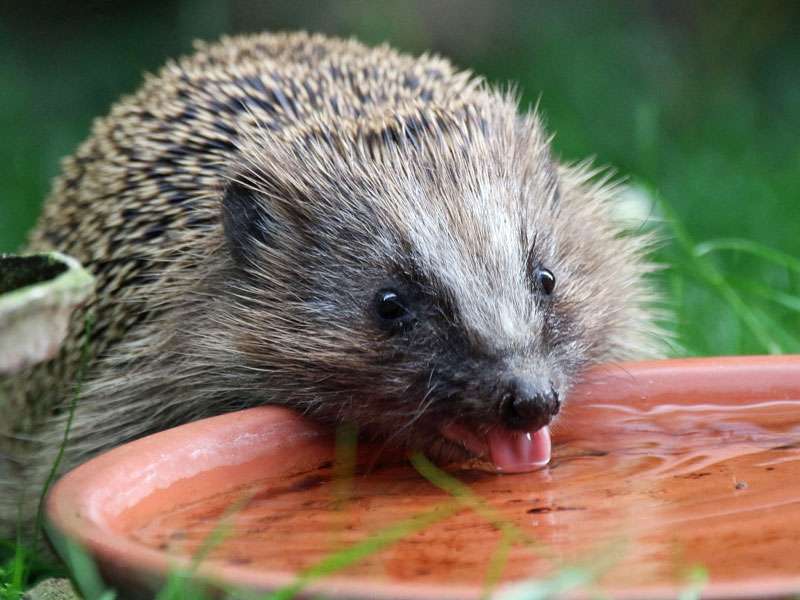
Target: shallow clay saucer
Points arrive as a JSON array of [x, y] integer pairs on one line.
[[665, 475]]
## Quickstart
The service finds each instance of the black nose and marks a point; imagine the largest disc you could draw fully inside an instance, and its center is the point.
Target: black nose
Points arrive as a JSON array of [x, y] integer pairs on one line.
[[525, 406]]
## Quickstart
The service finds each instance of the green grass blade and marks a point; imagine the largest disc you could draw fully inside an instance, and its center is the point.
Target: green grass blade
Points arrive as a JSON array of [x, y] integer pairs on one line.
[[698, 579], [82, 569], [748, 247], [344, 468], [84, 363], [707, 272], [374, 543], [568, 578], [465, 496], [182, 582], [497, 563], [788, 301]]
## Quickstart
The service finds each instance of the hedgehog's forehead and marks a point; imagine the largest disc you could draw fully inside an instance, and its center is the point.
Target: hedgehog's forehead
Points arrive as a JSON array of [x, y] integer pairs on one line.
[[474, 241]]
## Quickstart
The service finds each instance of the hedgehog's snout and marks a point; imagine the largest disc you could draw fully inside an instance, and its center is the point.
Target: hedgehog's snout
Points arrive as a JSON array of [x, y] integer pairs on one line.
[[526, 405]]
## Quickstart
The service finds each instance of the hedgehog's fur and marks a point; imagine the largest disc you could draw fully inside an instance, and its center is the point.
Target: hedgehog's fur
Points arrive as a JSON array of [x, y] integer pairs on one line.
[[336, 168]]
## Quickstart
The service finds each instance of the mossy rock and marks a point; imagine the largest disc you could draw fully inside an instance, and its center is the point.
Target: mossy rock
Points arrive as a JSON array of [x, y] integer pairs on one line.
[[38, 294]]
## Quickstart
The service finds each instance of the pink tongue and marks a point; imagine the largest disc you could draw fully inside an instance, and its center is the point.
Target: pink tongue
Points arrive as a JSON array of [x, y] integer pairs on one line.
[[519, 451], [510, 451]]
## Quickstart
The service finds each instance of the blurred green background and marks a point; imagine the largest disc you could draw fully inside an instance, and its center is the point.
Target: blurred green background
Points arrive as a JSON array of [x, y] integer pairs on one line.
[[697, 103]]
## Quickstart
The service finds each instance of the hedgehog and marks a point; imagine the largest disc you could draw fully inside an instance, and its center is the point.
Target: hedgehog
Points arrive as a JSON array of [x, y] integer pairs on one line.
[[361, 235]]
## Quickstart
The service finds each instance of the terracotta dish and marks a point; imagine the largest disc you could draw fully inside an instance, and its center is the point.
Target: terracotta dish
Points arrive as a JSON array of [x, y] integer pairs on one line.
[[666, 477]]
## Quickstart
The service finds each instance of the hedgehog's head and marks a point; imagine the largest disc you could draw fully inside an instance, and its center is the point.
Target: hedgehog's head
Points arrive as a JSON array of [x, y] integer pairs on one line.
[[435, 278]]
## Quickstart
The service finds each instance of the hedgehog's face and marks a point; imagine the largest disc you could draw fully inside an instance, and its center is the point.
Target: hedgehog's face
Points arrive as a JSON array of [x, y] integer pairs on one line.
[[437, 298], [489, 387]]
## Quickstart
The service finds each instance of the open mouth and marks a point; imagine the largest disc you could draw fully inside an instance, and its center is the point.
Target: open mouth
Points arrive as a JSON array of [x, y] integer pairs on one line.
[[509, 450]]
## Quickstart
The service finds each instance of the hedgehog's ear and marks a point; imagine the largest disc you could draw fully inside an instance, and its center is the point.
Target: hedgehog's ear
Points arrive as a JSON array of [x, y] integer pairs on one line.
[[246, 220]]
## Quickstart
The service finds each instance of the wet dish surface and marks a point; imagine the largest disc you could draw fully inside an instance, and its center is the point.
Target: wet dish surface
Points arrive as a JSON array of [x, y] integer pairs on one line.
[[658, 470]]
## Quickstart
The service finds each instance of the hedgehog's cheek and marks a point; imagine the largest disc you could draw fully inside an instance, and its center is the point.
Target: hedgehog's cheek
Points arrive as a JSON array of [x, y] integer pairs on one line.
[[509, 450]]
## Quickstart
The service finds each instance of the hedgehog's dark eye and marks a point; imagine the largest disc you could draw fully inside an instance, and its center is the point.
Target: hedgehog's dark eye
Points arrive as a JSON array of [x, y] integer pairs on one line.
[[546, 280], [391, 310]]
